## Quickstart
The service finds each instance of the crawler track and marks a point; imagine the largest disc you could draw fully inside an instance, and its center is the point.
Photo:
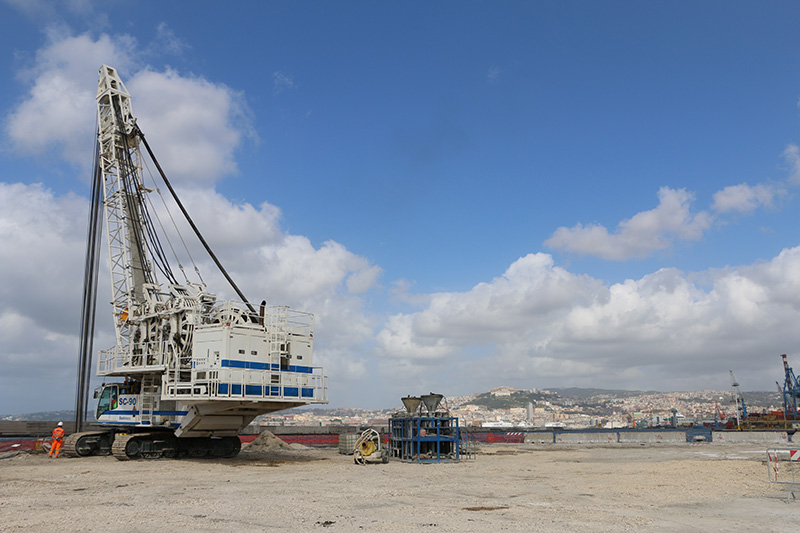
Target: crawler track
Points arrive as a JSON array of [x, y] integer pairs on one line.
[[159, 445], [88, 443]]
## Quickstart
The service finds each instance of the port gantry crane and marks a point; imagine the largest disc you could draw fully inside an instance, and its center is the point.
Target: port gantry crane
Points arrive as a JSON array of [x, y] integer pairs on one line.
[[191, 371], [791, 392]]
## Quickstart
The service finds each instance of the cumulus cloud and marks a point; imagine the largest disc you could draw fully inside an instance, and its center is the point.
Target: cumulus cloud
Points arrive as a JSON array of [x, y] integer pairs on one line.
[[59, 110], [531, 287], [197, 125], [41, 255], [193, 125], [539, 325], [640, 235], [39, 235], [743, 198]]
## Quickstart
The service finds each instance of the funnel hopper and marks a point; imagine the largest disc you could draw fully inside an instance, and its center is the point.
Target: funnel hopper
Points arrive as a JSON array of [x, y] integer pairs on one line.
[[431, 401], [411, 403]]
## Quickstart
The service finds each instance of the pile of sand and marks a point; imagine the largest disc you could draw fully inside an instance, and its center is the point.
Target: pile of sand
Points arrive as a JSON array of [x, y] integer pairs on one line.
[[267, 442]]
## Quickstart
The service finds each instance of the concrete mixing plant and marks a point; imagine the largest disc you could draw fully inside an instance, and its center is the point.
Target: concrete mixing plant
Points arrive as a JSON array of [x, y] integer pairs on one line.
[[424, 432], [188, 371]]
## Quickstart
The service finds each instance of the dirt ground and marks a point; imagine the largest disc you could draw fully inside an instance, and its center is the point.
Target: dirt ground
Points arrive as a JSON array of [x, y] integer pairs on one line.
[[506, 487]]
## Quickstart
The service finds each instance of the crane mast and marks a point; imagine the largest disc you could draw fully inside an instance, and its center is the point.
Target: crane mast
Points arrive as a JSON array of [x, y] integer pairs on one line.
[[120, 167], [738, 399]]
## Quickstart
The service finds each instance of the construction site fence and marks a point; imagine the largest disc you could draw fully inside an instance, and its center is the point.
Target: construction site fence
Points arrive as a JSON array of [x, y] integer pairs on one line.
[[783, 470]]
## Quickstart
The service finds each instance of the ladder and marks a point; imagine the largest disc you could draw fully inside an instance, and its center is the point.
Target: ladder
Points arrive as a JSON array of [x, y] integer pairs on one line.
[[149, 397], [278, 325]]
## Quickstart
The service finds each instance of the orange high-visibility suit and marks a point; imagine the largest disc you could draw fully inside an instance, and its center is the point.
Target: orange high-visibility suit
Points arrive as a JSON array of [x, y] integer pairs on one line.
[[58, 438]]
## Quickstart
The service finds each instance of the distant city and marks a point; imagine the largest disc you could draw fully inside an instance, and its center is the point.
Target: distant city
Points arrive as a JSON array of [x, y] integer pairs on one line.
[[562, 408], [534, 408]]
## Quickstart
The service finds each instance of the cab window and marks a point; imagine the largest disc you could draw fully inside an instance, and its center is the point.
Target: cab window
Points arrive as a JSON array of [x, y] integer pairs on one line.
[[107, 401]]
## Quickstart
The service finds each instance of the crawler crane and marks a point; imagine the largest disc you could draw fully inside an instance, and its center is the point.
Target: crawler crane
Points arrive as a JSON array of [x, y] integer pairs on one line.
[[189, 371]]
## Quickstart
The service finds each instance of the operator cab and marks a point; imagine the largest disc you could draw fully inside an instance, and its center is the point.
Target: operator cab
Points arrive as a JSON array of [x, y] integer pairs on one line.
[[109, 394]]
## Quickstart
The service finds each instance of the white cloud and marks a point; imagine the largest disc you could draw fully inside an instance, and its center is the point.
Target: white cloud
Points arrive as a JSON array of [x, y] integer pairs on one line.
[[41, 256], [640, 235], [743, 198], [41, 235], [59, 110], [541, 326], [193, 125], [531, 287], [364, 279], [792, 157]]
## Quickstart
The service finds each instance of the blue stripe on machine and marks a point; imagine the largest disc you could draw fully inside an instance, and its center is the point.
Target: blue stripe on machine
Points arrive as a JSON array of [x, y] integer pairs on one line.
[[123, 423], [235, 388], [134, 413], [253, 365], [256, 390]]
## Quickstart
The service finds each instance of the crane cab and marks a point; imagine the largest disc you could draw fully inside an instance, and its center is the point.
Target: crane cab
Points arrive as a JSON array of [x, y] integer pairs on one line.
[[118, 402]]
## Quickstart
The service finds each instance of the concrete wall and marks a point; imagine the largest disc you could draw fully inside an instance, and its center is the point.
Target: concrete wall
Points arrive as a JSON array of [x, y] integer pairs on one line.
[[755, 437], [586, 438], [10, 428], [253, 429], [539, 437], [653, 437]]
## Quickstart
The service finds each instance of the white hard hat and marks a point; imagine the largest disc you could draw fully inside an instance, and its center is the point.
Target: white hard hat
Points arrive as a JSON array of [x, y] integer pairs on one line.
[[61, 423]]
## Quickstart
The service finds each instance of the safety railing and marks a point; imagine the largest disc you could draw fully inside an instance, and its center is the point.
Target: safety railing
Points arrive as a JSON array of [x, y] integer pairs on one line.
[[145, 356], [220, 384], [783, 468]]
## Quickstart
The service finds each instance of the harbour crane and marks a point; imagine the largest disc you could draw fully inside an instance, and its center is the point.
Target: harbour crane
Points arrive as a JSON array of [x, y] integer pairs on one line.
[[790, 391], [189, 371]]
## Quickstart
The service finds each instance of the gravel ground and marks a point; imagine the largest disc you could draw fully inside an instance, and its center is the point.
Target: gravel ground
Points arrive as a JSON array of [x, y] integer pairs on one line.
[[506, 487]]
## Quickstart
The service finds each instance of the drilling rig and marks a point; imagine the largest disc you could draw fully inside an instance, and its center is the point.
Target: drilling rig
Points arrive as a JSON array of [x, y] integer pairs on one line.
[[189, 371]]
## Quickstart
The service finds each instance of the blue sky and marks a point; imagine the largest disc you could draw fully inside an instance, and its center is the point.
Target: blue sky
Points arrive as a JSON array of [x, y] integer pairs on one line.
[[465, 194]]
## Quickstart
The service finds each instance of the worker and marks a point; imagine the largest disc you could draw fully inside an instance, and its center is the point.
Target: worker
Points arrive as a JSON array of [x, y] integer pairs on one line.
[[58, 438]]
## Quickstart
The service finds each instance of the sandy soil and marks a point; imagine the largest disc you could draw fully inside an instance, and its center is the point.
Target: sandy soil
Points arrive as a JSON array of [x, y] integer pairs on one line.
[[506, 487]]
